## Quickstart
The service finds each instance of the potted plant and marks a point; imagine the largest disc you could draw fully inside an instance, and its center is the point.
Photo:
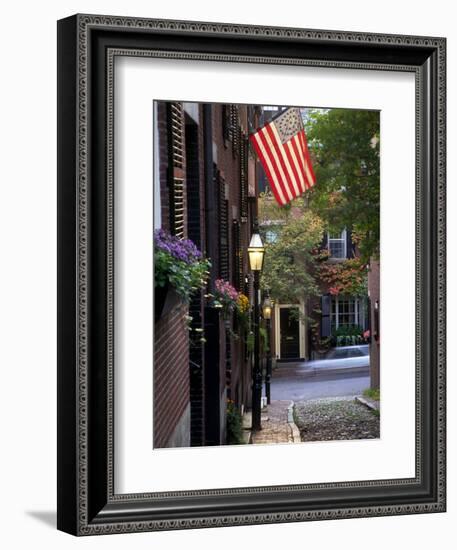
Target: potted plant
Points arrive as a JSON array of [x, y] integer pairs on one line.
[[225, 297], [348, 335], [179, 270], [242, 311]]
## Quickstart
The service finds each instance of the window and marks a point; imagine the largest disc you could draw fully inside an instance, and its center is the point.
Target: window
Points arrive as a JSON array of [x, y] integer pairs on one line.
[[337, 244], [225, 111], [271, 235], [346, 312]]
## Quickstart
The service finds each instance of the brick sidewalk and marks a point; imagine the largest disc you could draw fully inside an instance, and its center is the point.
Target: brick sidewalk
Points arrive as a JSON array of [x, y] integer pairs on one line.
[[275, 425]]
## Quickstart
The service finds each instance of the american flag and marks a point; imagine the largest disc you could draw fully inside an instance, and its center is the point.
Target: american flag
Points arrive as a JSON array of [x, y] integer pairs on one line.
[[282, 149]]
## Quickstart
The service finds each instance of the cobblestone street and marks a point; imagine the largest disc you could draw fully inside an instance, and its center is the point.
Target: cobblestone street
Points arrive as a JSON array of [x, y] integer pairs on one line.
[[326, 419], [337, 418]]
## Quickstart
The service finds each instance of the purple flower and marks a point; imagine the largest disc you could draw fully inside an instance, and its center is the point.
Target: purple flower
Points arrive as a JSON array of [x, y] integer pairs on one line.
[[181, 249]]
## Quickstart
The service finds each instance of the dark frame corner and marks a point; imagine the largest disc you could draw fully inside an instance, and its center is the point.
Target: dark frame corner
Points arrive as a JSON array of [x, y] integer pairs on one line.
[[86, 500]]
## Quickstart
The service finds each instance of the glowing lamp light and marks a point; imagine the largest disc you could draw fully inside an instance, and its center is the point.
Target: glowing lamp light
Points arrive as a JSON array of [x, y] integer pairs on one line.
[[256, 251], [266, 308]]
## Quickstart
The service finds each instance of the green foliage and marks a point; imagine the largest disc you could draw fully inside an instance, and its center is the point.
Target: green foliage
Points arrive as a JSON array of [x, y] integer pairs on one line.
[[348, 335], [350, 340], [289, 260], [263, 344], [348, 330], [344, 144], [186, 278], [234, 424], [263, 340], [372, 393]]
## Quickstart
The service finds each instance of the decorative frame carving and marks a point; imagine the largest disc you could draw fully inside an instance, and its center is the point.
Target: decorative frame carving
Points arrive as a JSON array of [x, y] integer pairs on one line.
[[88, 45]]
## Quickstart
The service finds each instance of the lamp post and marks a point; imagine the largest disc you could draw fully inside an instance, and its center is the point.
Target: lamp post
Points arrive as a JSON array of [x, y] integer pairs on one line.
[[256, 252], [267, 306]]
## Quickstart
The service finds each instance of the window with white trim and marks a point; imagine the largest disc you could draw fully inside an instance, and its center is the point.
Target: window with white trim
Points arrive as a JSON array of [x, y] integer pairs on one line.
[[337, 244], [346, 312]]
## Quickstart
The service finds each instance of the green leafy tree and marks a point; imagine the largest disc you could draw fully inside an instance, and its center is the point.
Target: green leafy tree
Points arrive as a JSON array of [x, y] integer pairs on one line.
[[344, 145], [291, 236]]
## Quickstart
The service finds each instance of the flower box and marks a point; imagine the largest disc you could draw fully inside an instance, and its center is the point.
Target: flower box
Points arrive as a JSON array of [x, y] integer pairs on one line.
[[165, 300]]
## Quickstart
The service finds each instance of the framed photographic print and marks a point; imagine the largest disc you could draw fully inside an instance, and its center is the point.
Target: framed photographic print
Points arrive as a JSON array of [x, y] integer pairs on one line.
[[251, 261]]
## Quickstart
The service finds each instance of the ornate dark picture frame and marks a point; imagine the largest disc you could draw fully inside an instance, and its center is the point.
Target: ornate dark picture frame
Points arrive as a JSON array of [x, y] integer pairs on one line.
[[87, 46]]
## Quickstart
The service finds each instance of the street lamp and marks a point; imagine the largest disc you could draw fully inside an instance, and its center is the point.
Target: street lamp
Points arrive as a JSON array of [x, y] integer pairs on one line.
[[267, 307], [256, 252]]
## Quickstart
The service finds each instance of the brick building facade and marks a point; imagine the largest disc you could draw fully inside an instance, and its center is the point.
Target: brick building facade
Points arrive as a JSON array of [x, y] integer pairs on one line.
[[205, 182]]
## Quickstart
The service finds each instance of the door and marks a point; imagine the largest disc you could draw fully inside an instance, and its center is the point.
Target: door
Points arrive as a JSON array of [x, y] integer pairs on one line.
[[290, 332]]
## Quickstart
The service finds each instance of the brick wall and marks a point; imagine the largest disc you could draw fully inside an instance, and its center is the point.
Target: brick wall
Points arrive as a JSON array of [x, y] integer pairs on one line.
[[198, 378], [171, 374], [171, 377], [237, 375]]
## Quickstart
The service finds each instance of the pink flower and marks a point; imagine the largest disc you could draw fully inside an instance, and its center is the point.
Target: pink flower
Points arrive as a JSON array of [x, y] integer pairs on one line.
[[334, 290], [366, 334], [226, 290]]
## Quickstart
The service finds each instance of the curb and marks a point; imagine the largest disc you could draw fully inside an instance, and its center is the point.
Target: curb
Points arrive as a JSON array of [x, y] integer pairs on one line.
[[247, 436], [247, 431], [295, 432], [367, 403]]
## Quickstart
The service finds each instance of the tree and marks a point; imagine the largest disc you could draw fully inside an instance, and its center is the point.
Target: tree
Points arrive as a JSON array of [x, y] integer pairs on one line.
[[344, 145], [289, 260]]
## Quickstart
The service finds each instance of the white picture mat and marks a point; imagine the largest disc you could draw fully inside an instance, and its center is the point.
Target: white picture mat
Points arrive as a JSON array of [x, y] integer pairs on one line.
[[138, 468]]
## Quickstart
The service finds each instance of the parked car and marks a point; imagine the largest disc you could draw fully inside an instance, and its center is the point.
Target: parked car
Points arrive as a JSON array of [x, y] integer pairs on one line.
[[343, 357]]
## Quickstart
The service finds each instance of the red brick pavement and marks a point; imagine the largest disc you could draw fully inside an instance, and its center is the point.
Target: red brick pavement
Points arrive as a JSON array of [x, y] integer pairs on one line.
[[275, 425]]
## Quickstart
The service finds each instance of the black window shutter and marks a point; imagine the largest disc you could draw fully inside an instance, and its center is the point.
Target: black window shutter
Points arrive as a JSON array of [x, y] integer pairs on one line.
[[237, 278], [349, 244], [326, 325], [223, 230], [226, 120], [244, 177], [175, 121], [235, 129], [325, 240]]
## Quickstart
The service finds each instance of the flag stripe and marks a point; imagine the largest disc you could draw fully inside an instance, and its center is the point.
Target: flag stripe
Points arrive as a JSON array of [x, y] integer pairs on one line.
[[270, 151], [309, 175], [299, 153], [292, 180], [282, 149], [295, 165], [273, 168], [299, 164], [256, 141], [277, 162], [308, 158], [258, 145]]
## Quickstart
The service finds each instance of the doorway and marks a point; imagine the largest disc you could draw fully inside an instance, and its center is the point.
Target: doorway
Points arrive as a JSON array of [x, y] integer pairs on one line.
[[289, 332]]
